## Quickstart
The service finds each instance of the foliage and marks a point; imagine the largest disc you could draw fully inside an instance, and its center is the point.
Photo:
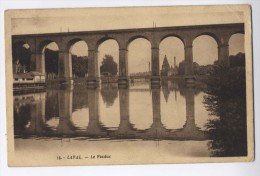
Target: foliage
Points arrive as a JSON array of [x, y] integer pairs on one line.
[[51, 61], [52, 105], [80, 97], [182, 68], [109, 95], [226, 99], [237, 60], [79, 66], [109, 65], [23, 55]]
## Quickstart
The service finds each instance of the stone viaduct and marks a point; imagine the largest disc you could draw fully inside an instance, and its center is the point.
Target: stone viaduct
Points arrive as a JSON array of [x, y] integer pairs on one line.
[[37, 42]]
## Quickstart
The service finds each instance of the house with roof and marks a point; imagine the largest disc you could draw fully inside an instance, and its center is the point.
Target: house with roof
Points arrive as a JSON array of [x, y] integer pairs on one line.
[[28, 77]]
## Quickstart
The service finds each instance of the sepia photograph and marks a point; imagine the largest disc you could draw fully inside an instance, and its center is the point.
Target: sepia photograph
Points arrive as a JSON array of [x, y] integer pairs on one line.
[[129, 85]]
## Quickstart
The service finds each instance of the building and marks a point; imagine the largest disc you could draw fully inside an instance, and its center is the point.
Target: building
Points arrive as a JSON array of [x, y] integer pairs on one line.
[[165, 67], [174, 70], [29, 77], [18, 68], [168, 70]]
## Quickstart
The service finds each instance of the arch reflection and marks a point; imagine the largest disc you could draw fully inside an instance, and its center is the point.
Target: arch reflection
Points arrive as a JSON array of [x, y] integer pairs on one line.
[[92, 125]]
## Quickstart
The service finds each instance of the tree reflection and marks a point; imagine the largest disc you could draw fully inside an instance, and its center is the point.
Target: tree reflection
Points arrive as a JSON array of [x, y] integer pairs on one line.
[[226, 99], [109, 94], [80, 97], [22, 117], [52, 105]]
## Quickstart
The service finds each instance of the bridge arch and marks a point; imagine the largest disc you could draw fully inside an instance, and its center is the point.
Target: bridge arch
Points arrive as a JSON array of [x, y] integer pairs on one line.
[[104, 39], [42, 45], [237, 32], [172, 50], [108, 49], [172, 35], [73, 42], [78, 55], [21, 42], [48, 60], [139, 54], [237, 50], [132, 38], [205, 50], [236, 42], [210, 34]]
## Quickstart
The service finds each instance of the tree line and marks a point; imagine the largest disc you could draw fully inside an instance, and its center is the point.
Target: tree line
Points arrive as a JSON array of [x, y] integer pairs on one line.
[[226, 99], [237, 60]]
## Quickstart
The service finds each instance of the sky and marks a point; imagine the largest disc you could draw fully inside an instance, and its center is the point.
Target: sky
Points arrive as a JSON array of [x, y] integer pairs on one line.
[[139, 51]]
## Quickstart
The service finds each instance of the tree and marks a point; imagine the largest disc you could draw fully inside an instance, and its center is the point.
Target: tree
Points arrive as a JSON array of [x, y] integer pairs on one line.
[[51, 61], [109, 65], [79, 66], [182, 68], [23, 55], [237, 60], [226, 99]]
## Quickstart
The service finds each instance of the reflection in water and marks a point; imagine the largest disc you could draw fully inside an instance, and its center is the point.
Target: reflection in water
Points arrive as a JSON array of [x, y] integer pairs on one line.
[[109, 94], [109, 114], [65, 126], [171, 113], [29, 114], [141, 109]]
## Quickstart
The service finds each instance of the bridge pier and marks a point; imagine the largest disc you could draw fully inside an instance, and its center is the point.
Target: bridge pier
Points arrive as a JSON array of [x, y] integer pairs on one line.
[[124, 110], [33, 61], [37, 114], [123, 81], [92, 82], [157, 129], [156, 102], [155, 76], [93, 79], [189, 72], [94, 126], [155, 82], [65, 68], [223, 51], [65, 111], [39, 62], [190, 110]]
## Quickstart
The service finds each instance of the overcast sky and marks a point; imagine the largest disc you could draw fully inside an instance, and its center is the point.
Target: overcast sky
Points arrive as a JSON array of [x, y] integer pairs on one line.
[[204, 47]]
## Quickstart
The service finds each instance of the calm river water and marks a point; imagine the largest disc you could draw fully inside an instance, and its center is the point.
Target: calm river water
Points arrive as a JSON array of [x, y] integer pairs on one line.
[[170, 120]]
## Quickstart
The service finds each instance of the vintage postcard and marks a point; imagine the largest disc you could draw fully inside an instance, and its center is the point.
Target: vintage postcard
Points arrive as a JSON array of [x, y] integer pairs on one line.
[[129, 85]]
